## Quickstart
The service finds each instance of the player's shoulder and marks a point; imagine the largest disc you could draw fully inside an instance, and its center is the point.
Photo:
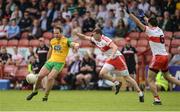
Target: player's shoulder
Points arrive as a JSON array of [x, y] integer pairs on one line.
[[107, 39]]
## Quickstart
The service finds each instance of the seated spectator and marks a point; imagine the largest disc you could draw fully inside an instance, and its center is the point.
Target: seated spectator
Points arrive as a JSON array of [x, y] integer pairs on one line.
[[35, 31], [166, 24], [16, 15], [88, 23], [1, 69], [100, 60], [4, 28], [144, 5], [176, 21], [175, 61], [75, 28], [5, 56], [87, 71], [17, 58], [132, 25], [73, 70], [13, 30], [44, 21], [66, 28], [111, 16], [25, 22], [121, 29], [109, 29], [102, 12], [33, 8]]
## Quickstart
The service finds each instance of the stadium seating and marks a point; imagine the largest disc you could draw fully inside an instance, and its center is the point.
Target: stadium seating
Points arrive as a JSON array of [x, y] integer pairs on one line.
[[143, 35], [134, 43], [9, 71], [177, 34], [3, 43], [25, 35], [21, 73], [34, 43], [47, 35], [133, 35], [120, 42], [23, 43], [174, 51], [167, 42], [142, 42], [175, 43], [168, 34], [12, 43]]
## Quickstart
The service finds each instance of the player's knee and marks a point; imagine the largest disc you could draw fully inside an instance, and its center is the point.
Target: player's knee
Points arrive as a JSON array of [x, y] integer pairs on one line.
[[50, 78]]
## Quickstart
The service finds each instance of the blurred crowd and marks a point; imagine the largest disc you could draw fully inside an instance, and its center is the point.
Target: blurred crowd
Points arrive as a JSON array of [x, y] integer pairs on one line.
[[38, 16]]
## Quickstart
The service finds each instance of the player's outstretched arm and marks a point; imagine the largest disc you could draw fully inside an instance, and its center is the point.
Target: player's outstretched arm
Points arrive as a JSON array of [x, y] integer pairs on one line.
[[114, 49], [82, 36], [135, 19]]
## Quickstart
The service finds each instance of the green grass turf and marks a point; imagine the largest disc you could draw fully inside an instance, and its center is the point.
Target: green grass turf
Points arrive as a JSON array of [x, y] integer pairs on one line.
[[87, 101]]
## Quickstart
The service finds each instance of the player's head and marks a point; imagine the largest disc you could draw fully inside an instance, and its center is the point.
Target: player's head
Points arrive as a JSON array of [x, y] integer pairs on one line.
[[57, 32], [128, 40], [97, 34], [152, 22]]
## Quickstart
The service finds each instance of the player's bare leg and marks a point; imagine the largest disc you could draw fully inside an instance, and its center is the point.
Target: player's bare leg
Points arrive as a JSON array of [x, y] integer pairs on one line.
[[104, 73], [153, 87], [134, 83], [43, 72], [171, 79], [50, 82]]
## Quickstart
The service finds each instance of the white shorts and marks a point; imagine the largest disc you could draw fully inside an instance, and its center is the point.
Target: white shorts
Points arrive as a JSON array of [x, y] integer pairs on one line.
[[110, 68]]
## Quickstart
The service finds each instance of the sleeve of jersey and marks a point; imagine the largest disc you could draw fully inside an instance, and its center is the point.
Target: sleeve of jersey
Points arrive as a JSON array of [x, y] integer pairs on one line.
[[69, 41]]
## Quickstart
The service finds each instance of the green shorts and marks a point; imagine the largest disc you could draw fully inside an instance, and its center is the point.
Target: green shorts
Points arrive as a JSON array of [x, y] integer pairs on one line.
[[54, 65]]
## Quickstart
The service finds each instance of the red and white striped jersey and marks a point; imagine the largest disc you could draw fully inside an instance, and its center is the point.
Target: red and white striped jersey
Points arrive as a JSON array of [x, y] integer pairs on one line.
[[156, 40], [103, 45]]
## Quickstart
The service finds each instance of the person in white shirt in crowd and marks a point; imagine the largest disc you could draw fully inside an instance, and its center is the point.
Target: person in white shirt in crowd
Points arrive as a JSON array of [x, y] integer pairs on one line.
[[4, 28]]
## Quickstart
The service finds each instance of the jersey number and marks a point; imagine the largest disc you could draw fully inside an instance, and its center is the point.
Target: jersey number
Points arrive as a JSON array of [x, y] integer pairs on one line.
[[162, 40]]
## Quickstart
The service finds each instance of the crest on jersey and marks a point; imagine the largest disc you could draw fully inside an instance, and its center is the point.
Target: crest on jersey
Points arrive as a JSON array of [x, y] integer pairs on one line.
[[57, 47]]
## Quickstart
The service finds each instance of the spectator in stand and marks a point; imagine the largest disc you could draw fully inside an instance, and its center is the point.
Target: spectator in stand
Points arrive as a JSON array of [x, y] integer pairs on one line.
[[51, 13], [75, 28], [111, 16], [154, 8], [23, 5], [17, 58], [169, 6], [33, 8], [123, 17], [109, 29], [130, 55], [66, 28], [88, 23], [5, 57], [17, 15], [166, 24], [121, 29], [25, 22], [31, 53], [102, 12], [10, 6], [4, 28], [78, 18], [13, 30], [144, 5], [42, 52], [176, 21], [1, 68], [113, 4], [44, 21], [87, 71], [175, 61], [35, 31], [73, 70]]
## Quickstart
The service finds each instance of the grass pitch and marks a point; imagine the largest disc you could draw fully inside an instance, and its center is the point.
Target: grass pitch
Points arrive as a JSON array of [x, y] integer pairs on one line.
[[13, 100]]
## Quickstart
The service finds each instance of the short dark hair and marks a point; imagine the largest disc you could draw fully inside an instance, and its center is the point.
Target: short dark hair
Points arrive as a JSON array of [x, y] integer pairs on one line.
[[153, 21], [97, 30], [59, 28]]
